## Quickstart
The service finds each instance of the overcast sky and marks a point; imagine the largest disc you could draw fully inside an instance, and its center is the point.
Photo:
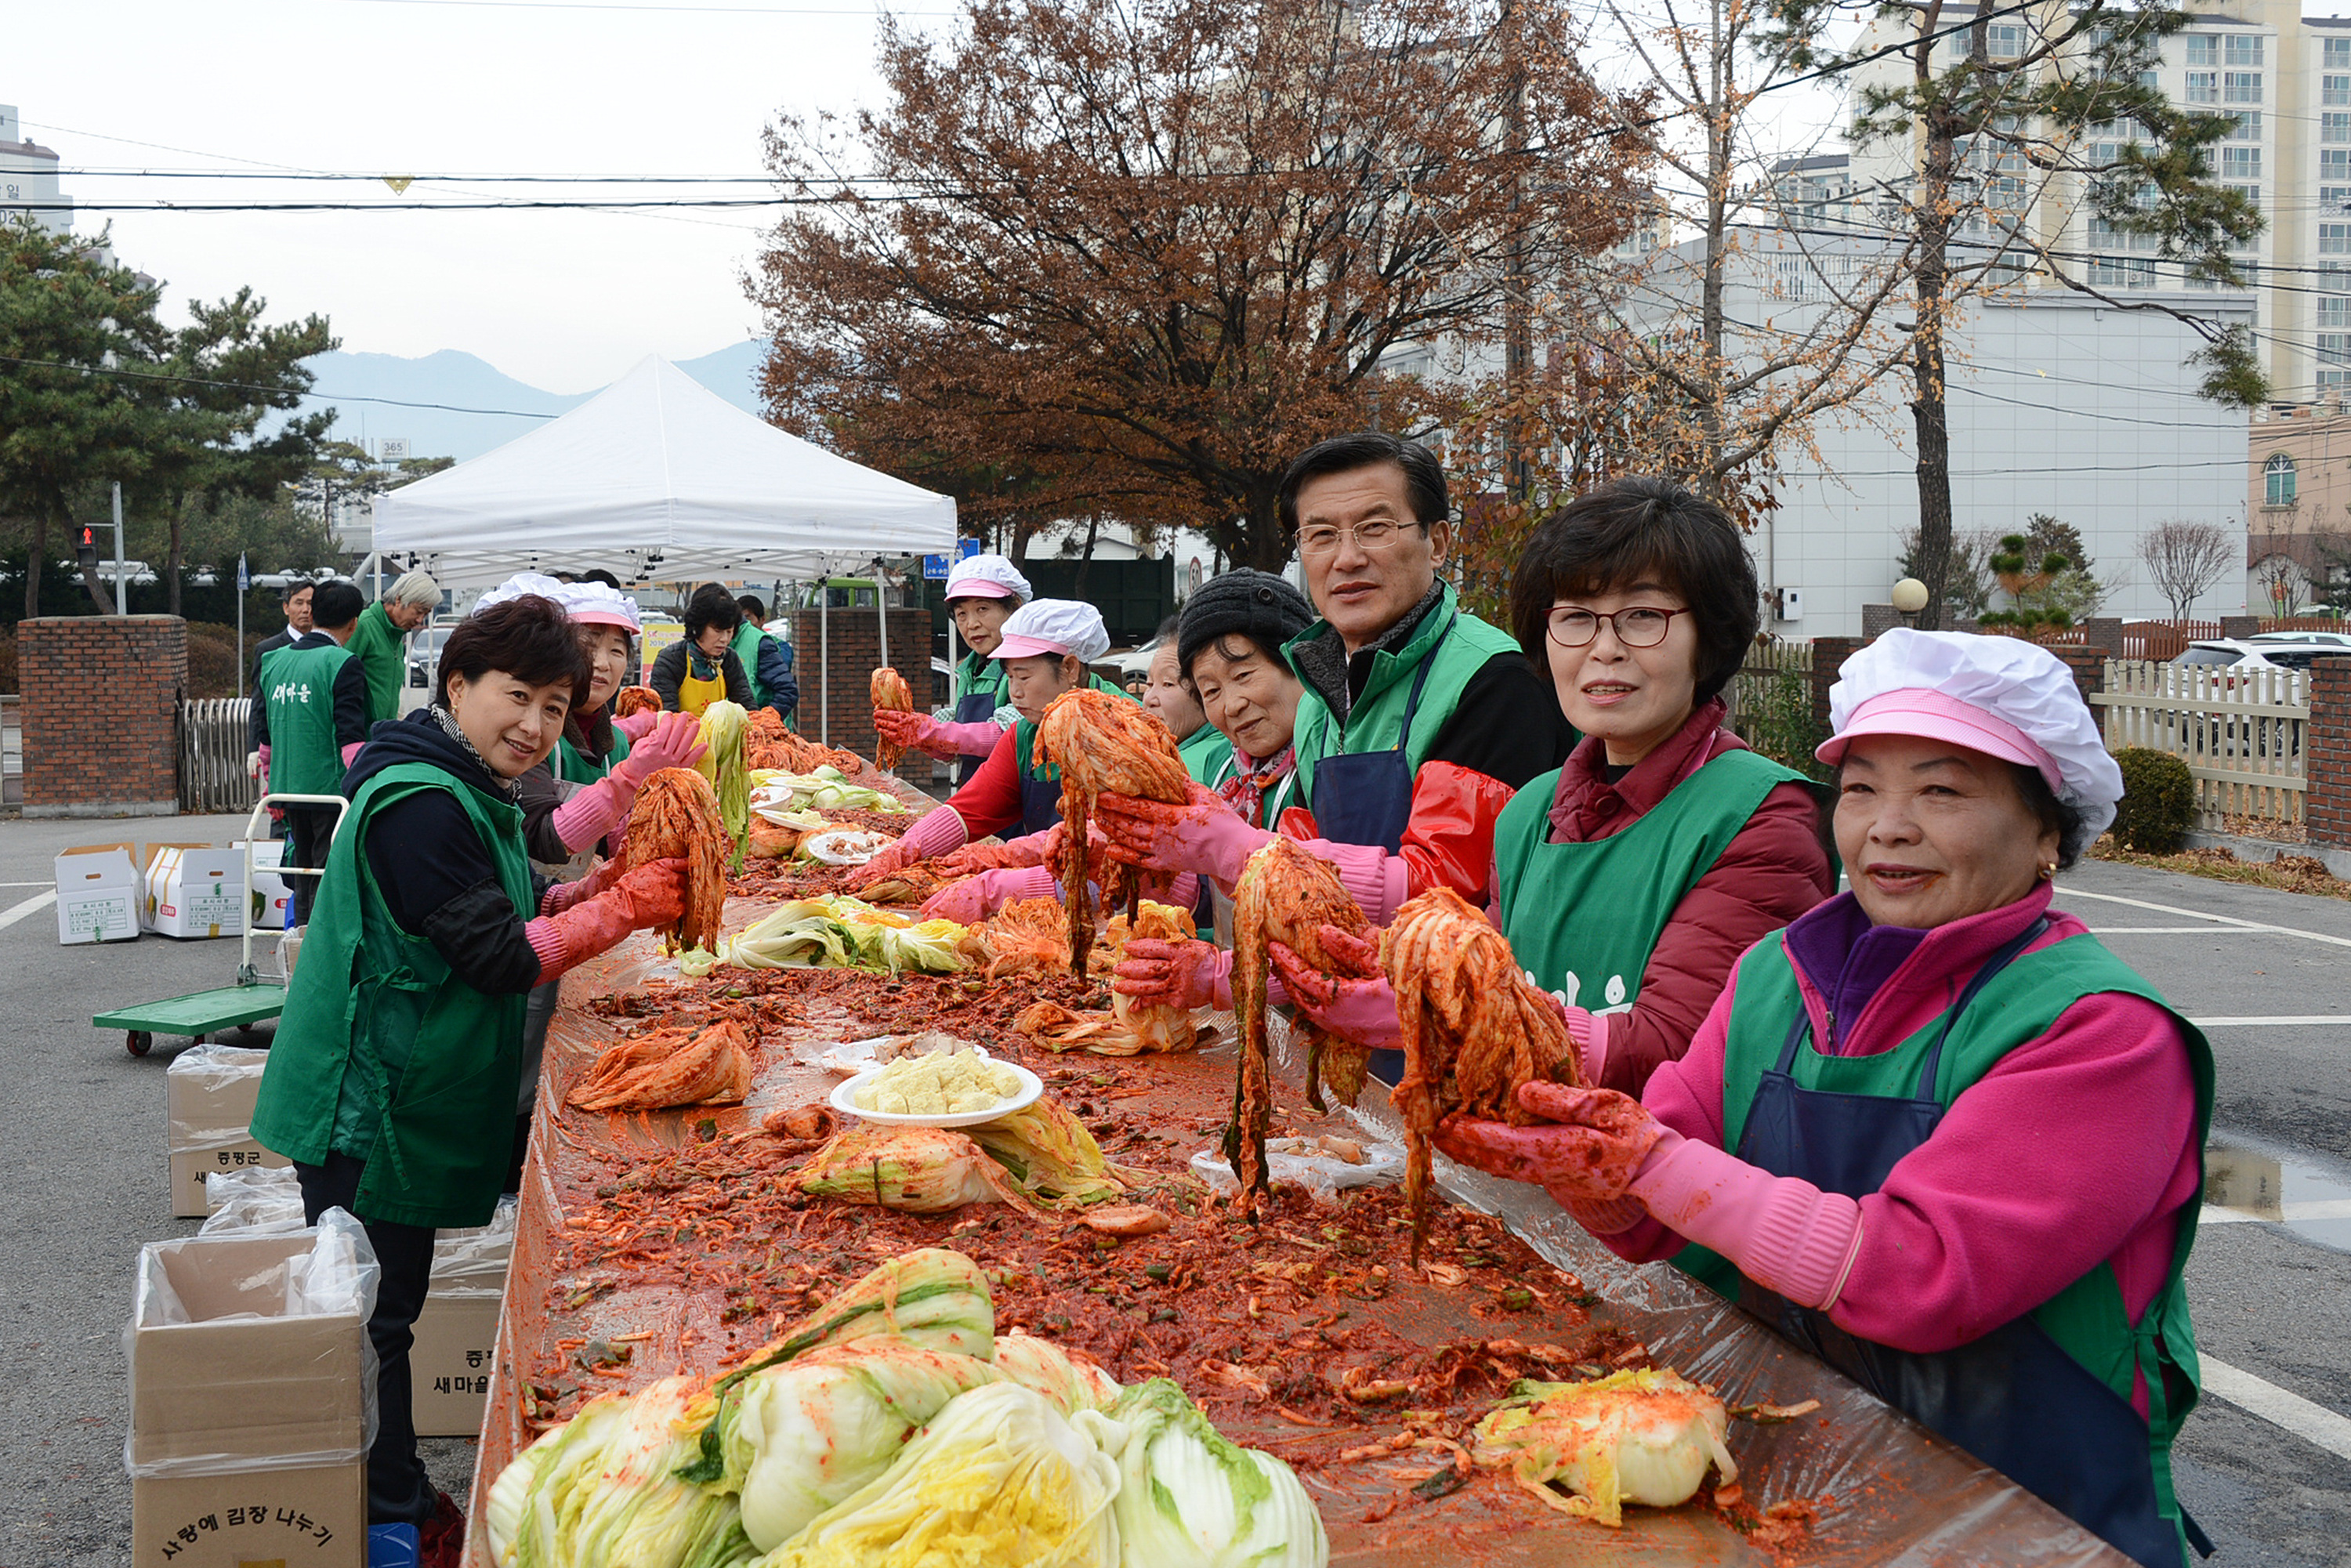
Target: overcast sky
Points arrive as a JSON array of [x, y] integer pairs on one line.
[[565, 301]]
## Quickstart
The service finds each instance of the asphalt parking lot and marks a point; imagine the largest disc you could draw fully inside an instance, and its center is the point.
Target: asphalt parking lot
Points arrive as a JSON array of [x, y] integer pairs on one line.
[[2265, 1463]]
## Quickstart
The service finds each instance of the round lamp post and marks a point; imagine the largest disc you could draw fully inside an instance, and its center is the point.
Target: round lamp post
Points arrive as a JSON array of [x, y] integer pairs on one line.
[[1910, 597]]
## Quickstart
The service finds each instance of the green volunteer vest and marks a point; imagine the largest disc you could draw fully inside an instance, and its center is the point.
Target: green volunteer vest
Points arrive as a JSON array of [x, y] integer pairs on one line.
[[2087, 1318], [382, 649], [1204, 752], [976, 675], [298, 684], [571, 764], [1377, 719], [382, 1053], [1584, 918], [746, 647]]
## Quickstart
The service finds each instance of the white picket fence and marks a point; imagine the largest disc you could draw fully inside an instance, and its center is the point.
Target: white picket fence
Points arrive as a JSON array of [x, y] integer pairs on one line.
[[2242, 732]]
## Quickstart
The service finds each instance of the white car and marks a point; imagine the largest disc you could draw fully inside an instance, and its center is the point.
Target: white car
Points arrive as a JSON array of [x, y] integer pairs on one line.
[[1137, 661], [2267, 651]]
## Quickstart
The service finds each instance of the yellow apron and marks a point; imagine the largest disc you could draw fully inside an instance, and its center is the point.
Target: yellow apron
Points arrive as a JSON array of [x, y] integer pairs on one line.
[[694, 694]]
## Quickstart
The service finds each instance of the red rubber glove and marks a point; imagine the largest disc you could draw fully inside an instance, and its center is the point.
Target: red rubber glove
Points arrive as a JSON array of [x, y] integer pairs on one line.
[[1356, 1004], [913, 731], [1204, 834], [1591, 1157], [936, 832], [653, 894], [1188, 973], [974, 898], [636, 724], [675, 740]]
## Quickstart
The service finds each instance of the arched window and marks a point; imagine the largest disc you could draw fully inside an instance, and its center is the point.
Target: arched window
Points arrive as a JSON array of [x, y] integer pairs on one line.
[[2277, 474]]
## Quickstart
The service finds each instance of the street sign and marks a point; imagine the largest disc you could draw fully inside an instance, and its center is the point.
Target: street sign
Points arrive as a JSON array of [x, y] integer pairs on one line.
[[935, 566], [244, 579]]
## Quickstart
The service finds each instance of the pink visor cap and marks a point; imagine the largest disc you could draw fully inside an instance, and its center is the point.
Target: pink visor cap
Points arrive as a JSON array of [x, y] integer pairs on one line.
[[1027, 648], [1927, 715]]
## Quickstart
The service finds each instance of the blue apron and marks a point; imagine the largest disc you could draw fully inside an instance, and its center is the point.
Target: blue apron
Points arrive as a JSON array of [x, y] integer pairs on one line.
[[976, 707], [2014, 1398], [1040, 802], [1365, 797]]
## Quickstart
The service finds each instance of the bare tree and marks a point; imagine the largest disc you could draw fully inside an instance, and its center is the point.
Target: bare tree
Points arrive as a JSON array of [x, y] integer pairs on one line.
[[2184, 559], [2283, 582]]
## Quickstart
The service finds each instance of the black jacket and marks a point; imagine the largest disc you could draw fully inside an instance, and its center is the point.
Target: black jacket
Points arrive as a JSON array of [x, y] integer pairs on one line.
[[669, 673], [435, 873]]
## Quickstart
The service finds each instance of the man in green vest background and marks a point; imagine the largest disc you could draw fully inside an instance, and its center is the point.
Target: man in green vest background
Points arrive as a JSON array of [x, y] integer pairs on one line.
[[315, 697], [1419, 721], [379, 641], [767, 659]]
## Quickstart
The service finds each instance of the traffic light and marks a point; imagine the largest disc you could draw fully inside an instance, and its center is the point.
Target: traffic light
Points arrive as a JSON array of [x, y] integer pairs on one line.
[[86, 553]]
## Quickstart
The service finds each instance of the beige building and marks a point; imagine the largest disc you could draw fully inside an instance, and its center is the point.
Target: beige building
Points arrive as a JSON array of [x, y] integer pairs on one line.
[[2298, 501]]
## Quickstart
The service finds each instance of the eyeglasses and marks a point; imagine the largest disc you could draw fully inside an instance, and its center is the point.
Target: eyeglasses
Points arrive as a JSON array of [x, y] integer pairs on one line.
[[1372, 537], [1643, 626]]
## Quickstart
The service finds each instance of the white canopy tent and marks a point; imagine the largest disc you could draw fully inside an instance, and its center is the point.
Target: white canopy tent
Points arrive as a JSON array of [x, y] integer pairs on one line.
[[658, 479]]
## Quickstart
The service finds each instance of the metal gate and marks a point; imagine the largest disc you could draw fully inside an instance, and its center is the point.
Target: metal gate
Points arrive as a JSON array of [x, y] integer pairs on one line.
[[212, 755]]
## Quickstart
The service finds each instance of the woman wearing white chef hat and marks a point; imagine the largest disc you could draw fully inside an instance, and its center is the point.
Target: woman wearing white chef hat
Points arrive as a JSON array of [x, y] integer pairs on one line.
[[983, 592], [1045, 649], [1934, 1131]]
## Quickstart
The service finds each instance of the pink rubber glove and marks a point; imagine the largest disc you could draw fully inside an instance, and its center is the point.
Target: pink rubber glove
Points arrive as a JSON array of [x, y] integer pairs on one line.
[[1191, 973], [1590, 1157], [1357, 1004], [636, 724], [261, 768], [651, 895], [350, 751], [674, 741], [1377, 880], [1782, 1232], [562, 895], [974, 898], [935, 832], [1204, 834], [599, 811]]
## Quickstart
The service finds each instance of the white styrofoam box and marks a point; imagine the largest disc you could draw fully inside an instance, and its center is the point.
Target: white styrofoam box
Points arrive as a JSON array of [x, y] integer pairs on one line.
[[98, 894]]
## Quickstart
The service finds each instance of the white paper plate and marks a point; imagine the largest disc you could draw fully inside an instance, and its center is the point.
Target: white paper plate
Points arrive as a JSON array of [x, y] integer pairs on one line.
[[852, 1056], [845, 846], [1032, 1089]]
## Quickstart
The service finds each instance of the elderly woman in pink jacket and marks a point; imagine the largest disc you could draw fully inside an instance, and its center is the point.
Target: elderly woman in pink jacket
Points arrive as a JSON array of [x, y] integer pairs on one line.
[[1934, 1131]]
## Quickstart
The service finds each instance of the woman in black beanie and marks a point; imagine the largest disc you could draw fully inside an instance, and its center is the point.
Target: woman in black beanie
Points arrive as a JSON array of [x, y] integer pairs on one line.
[[1229, 648]]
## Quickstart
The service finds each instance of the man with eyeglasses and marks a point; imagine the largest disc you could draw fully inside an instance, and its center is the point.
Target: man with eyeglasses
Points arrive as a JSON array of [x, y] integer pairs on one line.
[[1419, 721]]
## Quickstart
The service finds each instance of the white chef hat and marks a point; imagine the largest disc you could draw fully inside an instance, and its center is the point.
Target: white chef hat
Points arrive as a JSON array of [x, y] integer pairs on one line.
[[598, 605], [988, 577], [522, 583], [1054, 626], [2000, 695]]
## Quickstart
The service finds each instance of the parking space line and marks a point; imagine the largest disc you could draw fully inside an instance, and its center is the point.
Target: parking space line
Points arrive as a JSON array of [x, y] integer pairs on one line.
[[2284, 1020], [2288, 1213], [2257, 1397], [2171, 931], [2200, 914], [18, 912]]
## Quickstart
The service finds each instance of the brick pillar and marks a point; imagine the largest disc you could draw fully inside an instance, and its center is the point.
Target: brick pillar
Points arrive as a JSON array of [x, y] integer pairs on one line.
[[2240, 625], [101, 713], [2088, 664], [2326, 754], [856, 643], [1877, 620], [2104, 632], [1829, 654]]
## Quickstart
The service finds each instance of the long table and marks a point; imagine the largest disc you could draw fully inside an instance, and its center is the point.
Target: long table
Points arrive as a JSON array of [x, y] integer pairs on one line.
[[1890, 1491]]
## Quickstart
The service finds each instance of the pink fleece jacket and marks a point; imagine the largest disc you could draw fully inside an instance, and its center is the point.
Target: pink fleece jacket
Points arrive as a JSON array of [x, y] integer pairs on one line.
[[2078, 1146]]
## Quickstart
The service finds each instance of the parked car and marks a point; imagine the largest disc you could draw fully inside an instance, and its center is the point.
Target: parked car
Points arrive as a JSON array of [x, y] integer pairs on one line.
[[425, 646], [2265, 651], [1135, 661]]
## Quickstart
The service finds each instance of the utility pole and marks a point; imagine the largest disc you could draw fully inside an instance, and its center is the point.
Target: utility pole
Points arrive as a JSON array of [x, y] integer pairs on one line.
[[122, 600]]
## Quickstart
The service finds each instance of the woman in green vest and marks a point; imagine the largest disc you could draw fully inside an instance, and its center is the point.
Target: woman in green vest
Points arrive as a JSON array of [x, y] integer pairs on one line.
[[391, 1086], [1934, 1132], [1630, 880]]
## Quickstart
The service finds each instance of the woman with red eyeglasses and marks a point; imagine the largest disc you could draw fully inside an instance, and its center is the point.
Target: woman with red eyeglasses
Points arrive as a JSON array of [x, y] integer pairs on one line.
[[1629, 881]]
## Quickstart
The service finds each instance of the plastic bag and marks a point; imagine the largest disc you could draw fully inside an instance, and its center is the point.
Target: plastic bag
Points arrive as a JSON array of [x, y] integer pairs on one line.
[[210, 1399], [265, 1200], [201, 1077], [1295, 1162], [473, 1263]]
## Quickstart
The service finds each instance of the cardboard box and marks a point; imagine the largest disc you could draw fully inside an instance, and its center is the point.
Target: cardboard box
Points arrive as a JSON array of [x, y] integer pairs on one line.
[[449, 1365], [209, 1092], [98, 894], [249, 1402], [194, 890]]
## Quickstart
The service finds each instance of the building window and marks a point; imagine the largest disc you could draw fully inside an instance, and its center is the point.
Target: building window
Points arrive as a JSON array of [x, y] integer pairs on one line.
[[2335, 239], [2203, 86], [2240, 163], [2335, 312], [2334, 90], [2241, 86], [2005, 40], [2333, 199], [2121, 272], [2335, 128], [2335, 348], [2203, 49], [2339, 54], [2151, 80], [2335, 165], [2243, 50], [2244, 125], [2277, 481]]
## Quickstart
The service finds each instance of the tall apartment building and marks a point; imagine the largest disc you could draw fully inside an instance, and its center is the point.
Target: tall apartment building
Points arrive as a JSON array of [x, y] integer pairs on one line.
[[2282, 79], [28, 176]]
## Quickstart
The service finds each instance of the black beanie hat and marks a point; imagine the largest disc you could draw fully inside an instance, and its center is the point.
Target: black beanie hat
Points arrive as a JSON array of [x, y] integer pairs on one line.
[[1264, 608]]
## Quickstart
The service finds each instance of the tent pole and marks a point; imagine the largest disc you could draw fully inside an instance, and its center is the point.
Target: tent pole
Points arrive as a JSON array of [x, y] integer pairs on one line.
[[882, 605], [824, 660]]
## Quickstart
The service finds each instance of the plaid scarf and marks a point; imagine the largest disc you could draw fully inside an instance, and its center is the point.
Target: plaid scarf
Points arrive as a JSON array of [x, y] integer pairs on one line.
[[1244, 790]]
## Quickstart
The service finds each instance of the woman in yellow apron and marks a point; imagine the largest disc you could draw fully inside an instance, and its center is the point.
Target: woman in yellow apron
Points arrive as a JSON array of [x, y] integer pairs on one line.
[[692, 674]]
